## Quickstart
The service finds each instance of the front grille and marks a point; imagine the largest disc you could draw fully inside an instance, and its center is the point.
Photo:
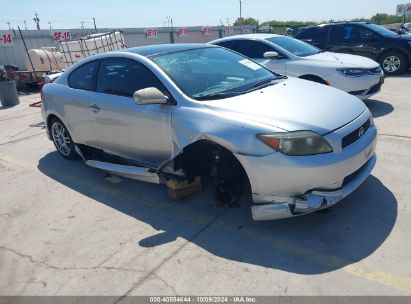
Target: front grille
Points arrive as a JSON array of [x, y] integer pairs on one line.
[[355, 93], [355, 135], [375, 88], [353, 175]]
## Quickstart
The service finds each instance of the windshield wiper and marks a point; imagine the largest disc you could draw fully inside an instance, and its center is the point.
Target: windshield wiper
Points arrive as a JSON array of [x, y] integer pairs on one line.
[[220, 95], [264, 83]]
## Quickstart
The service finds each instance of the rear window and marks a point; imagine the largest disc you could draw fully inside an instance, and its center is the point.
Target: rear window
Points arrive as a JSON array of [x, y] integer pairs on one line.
[[83, 77]]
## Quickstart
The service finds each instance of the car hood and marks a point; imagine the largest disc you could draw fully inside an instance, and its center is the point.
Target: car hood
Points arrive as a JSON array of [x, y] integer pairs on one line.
[[293, 105], [344, 60]]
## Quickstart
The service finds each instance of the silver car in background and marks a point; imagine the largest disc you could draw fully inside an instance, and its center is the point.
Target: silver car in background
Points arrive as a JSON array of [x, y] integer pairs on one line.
[[160, 112]]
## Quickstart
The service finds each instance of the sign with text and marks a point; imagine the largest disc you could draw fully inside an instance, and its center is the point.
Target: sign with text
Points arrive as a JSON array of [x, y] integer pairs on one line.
[[61, 36], [228, 30], [6, 39], [206, 31], [152, 33], [182, 32], [400, 10], [408, 9], [246, 30]]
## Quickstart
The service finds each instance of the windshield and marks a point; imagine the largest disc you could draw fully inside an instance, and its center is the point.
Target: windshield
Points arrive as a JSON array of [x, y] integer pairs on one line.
[[380, 30], [213, 73], [294, 46]]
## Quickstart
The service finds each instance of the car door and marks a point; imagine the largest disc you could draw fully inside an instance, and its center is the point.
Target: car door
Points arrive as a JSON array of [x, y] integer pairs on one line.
[[255, 50], [139, 132], [316, 36], [352, 39], [77, 100]]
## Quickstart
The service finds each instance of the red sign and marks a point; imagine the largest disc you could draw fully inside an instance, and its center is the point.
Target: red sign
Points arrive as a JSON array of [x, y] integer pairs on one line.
[[61, 36], [151, 33], [182, 32], [408, 9], [400, 10], [6, 39], [206, 31]]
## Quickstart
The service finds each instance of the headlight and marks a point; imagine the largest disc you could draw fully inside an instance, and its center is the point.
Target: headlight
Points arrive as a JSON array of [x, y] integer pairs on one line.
[[297, 143], [353, 72]]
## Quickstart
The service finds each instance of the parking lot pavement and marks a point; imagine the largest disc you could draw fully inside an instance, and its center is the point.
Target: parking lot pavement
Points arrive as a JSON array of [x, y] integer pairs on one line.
[[66, 229]]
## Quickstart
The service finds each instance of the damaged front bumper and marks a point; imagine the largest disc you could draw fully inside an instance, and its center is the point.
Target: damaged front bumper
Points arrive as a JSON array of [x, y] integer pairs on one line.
[[312, 201]]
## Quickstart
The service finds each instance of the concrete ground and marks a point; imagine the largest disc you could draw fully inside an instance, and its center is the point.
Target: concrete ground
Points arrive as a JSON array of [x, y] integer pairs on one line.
[[67, 229]]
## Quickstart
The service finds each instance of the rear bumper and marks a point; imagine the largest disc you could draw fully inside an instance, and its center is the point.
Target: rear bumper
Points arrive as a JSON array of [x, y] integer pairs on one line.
[[314, 200]]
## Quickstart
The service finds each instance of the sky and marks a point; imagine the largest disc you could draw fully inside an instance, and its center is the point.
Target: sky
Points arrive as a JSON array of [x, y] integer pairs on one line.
[[153, 13]]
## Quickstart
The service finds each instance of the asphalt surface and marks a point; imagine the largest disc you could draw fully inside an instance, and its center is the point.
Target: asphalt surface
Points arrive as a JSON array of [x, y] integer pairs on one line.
[[68, 229]]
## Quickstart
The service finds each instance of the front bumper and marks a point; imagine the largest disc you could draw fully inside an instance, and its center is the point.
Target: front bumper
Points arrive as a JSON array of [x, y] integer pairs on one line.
[[312, 201], [368, 93], [362, 87], [284, 186]]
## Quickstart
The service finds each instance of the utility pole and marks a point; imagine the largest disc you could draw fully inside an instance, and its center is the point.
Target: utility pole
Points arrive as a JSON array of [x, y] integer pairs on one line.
[[25, 24], [95, 26], [9, 26], [50, 24], [37, 20], [82, 24]]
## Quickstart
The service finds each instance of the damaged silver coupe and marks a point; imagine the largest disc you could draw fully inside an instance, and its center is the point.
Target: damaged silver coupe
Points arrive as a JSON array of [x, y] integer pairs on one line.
[[165, 112]]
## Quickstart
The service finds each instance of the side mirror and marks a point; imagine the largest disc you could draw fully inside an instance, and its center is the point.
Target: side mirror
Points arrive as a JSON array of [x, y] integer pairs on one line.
[[149, 96], [271, 55]]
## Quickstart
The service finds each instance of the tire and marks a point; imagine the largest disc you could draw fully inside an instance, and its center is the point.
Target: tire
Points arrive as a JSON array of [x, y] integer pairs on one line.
[[62, 139], [393, 63]]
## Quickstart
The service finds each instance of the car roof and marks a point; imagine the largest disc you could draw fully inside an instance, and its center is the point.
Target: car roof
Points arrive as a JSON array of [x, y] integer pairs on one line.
[[151, 50], [247, 36], [340, 22]]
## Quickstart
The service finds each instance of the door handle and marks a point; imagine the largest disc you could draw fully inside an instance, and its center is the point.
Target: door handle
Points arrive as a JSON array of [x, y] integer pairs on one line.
[[95, 108]]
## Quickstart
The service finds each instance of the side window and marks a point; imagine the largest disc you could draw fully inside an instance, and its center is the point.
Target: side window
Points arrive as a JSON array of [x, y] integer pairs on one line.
[[226, 44], [351, 32], [251, 48], [314, 33], [121, 76], [83, 77], [338, 33]]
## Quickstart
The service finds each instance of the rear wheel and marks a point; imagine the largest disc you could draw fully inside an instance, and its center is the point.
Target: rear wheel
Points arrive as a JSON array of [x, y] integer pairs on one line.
[[62, 139], [393, 63]]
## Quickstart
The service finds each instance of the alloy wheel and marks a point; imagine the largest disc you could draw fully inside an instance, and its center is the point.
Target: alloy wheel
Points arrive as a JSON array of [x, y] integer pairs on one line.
[[391, 64], [61, 138]]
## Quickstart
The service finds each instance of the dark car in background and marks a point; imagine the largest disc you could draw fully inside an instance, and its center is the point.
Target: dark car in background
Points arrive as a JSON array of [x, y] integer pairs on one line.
[[391, 50]]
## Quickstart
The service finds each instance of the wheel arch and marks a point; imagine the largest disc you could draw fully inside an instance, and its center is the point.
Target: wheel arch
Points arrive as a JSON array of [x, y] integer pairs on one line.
[[312, 77], [398, 50]]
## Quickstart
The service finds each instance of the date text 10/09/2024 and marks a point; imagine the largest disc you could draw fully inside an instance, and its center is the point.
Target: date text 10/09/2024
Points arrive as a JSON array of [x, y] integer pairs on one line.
[[203, 299]]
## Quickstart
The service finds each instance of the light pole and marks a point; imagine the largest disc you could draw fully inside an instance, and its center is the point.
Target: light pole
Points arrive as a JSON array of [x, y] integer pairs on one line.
[[37, 20], [241, 9]]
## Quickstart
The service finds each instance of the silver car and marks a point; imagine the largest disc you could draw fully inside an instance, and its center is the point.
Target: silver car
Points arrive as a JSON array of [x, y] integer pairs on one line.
[[165, 112]]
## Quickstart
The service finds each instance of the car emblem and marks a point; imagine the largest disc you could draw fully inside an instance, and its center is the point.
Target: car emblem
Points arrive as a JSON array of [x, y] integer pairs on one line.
[[361, 132]]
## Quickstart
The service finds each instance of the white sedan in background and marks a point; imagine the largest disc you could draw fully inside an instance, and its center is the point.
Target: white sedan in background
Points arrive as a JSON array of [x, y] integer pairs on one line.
[[284, 55]]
